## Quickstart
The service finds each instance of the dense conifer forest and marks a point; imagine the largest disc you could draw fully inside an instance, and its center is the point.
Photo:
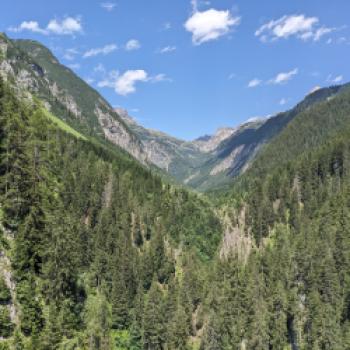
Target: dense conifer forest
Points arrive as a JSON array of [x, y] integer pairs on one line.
[[101, 252]]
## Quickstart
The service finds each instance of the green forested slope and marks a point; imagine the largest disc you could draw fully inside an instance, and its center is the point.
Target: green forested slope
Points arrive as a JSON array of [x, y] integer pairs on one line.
[[99, 241], [97, 252], [34, 71], [293, 291], [311, 127]]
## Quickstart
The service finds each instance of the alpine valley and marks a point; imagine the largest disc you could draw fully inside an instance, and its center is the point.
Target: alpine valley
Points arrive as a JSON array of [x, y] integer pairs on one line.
[[115, 236]]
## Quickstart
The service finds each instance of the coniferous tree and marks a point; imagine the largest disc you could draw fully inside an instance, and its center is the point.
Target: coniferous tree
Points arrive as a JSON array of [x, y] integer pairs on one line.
[[153, 320]]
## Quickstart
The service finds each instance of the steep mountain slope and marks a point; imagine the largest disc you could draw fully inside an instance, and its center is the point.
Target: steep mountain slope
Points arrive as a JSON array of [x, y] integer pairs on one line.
[[98, 253], [201, 163], [177, 157], [288, 288], [314, 125], [234, 155], [212, 162], [283, 278], [32, 67], [207, 163], [227, 158], [91, 239]]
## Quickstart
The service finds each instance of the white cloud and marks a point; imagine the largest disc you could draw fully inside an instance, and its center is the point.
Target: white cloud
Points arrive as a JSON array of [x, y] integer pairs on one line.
[[336, 80], [299, 26], [32, 26], [320, 32], [110, 80], [167, 49], [66, 26], [108, 6], [125, 84], [231, 76], [159, 78], [282, 78], [132, 44], [254, 83], [210, 24], [105, 50]]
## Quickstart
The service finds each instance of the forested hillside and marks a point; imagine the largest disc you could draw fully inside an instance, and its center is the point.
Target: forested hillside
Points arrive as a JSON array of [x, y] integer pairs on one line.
[[35, 71], [97, 252], [290, 288], [292, 292]]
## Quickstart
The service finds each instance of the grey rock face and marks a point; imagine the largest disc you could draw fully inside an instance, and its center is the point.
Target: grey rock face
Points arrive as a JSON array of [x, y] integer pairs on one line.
[[35, 71]]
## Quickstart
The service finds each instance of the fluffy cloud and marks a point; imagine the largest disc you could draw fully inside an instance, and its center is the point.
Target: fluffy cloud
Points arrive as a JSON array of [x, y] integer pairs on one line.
[[132, 44], [279, 79], [167, 49], [254, 83], [108, 6], [32, 26], [125, 84], [299, 26], [66, 26], [282, 78], [105, 50], [210, 24], [335, 80]]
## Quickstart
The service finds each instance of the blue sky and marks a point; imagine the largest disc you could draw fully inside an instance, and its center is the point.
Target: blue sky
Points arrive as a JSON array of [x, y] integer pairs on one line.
[[188, 67]]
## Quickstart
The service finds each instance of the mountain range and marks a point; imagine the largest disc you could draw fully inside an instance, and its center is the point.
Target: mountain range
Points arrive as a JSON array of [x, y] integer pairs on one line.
[[117, 237], [207, 163]]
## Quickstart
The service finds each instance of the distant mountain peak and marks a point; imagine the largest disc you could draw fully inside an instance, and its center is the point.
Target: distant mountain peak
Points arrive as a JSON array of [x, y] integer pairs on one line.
[[208, 143]]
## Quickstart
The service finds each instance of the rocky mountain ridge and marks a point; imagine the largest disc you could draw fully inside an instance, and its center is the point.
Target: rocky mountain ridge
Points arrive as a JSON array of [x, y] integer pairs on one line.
[[35, 71], [209, 162]]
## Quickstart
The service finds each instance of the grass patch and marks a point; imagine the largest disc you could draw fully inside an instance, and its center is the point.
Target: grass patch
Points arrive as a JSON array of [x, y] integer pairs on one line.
[[62, 125]]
